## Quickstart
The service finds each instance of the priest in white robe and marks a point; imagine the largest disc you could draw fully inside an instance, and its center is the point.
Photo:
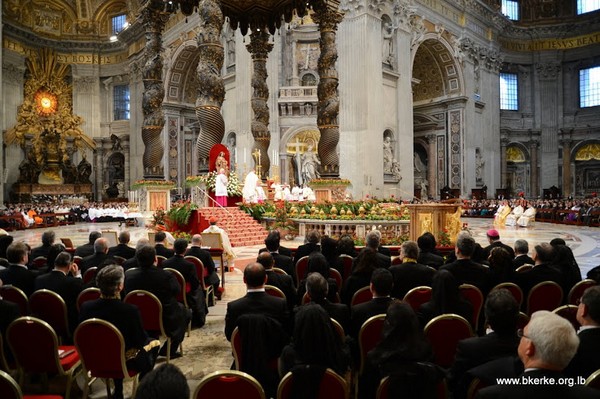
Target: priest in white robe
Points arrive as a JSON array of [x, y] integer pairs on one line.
[[249, 191]]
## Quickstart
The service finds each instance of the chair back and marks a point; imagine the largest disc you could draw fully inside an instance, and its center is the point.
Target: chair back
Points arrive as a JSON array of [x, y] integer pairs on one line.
[[514, 289], [300, 269], [89, 294], [15, 295], [89, 275], [40, 262], [418, 296], [443, 333], [102, 349], [369, 336], [361, 296], [4, 366], [334, 274], [229, 384], [50, 307], [34, 355], [201, 271], [332, 386], [568, 312], [274, 291], [236, 348], [9, 389], [523, 320], [184, 287], [339, 330], [119, 260], [150, 309], [347, 262], [77, 260], [159, 260], [578, 289], [279, 271], [524, 268], [546, 295], [472, 294], [593, 380]]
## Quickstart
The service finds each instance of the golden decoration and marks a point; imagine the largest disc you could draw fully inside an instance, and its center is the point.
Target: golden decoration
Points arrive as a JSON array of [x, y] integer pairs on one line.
[[515, 154], [46, 102], [588, 152]]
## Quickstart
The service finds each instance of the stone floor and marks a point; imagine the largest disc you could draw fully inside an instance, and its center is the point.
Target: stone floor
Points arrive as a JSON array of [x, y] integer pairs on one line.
[[207, 350]]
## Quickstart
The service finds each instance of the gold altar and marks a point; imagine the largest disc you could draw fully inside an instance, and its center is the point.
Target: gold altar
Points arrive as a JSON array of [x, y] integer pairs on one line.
[[436, 219]]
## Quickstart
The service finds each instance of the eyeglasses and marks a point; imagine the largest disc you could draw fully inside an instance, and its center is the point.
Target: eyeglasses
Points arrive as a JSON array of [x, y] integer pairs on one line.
[[521, 333]]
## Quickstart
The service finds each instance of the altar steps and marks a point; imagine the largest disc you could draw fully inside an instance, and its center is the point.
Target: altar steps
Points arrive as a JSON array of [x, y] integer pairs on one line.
[[241, 228]]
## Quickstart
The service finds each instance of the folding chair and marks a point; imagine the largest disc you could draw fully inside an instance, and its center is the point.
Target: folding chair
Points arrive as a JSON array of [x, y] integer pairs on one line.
[[89, 275], [334, 274], [229, 384], [159, 260], [593, 380], [368, 337], [332, 386], [119, 260], [40, 262]]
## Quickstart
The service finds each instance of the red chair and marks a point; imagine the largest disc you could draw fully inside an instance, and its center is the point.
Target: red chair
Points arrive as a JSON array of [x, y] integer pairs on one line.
[[229, 384], [202, 273], [546, 295], [514, 289], [89, 294], [159, 260], [40, 262], [418, 296], [15, 295], [102, 350], [338, 329], [332, 386], [443, 333], [89, 275], [151, 311], [182, 294], [361, 296], [369, 336], [9, 389], [593, 380], [569, 312], [50, 307], [334, 274], [347, 262], [274, 291], [300, 269], [42, 354], [472, 294], [4, 366], [578, 289]]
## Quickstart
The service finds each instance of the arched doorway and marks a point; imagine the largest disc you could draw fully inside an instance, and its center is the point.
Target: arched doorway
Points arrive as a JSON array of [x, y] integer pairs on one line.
[[517, 170], [587, 168], [297, 143]]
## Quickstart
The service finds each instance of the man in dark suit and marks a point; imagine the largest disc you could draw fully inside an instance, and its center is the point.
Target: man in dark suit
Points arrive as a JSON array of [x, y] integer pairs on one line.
[[131, 263], [66, 281], [195, 296], [547, 345], [282, 261], [586, 360], [125, 317], [410, 274], [426, 243], [212, 277], [317, 288], [382, 282], [256, 301], [164, 285], [502, 313], [48, 238], [122, 249], [313, 238], [464, 269], [88, 249], [160, 238], [281, 281], [543, 255], [521, 258], [99, 258], [17, 273], [275, 238], [494, 240], [373, 241]]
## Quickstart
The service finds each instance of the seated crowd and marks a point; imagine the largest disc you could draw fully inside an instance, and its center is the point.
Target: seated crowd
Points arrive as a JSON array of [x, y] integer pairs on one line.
[[306, 311]]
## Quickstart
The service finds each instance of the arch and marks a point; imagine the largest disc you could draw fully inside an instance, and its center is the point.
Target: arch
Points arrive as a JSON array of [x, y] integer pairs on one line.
[[585, 158], [292, 132], [517, 152], [309, 76], [182, 80], [587, 150]]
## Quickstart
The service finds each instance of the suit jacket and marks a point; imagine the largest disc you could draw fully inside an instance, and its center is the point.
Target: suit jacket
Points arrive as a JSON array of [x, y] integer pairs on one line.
[[285, 283], [98, 260], [364, 311], [527, 280], [495, 244], [468, 272], [283, 262], [68, 287], [187, 269], [531, 391], [85, 250], [410, 275], [122, 250], [382, 260], [130, 264], [520, 260], [42, 250], [161, 250], [586, 360], [426, 311], [305, 250], [282, 250], [337, 311], [20, 277], [204, 256], [430, 259], [256, 302]]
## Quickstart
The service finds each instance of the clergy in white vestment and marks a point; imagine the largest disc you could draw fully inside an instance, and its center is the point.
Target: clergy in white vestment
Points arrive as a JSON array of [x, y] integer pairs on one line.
[[296, 191], [249, 192], [221, 188], [213, 228], [517, 212], [308, 194], [527, 217], [278, 196]]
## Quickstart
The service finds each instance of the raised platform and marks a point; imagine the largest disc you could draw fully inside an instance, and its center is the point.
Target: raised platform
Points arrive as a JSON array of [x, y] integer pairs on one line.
[[24, 191]]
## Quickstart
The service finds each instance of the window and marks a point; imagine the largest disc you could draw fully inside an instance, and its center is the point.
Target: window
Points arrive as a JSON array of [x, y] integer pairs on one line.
[[118, 23], [589, 87], [509, 93], [121, 102], [510, 8], [584, 6], [309, 80]]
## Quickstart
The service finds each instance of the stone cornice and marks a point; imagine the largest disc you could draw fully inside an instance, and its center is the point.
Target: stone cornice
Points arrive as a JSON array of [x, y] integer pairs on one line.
[[573, 27]]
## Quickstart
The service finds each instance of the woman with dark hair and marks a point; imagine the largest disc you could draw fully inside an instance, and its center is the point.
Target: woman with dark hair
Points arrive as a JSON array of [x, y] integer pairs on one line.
[[403, 354], [315, 343], [445, 299], [346, 246], [501, 266], [364, 264], [317, 263], [329, 250], [565, 262], [428, 255]]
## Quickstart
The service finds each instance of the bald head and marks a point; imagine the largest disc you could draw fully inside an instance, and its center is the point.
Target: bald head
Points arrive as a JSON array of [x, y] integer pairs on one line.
[[197, 240], [101, 245], [255, 275], [266, 259]]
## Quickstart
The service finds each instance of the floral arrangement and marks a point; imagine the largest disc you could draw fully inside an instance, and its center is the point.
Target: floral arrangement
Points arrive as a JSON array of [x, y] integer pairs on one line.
[[180, 213], [153, 183], [329, 182], [182, 234], [444, 238], [234, 188], [159, 218]]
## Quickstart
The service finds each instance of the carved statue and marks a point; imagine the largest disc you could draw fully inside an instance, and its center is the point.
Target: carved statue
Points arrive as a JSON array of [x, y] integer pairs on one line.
[[69, 171], [84, 170], [310, 165], [388, 155], [221, 162]]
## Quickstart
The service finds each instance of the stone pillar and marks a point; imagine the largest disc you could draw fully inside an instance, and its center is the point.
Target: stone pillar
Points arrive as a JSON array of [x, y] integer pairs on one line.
[[566, 167], [327, 90], [98, 172], [154, 20], [259, 47], [503, 145], [211, 92], [534, 183], [295, 79], [550, 101], [432, 165]]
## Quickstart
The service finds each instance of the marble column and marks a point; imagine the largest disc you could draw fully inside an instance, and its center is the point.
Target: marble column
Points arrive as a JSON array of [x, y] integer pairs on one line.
[[327, 90], [566, 167], [534, 183], [503, 145], [259, 47], [98, 172], [432, 165], [295, 79]]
